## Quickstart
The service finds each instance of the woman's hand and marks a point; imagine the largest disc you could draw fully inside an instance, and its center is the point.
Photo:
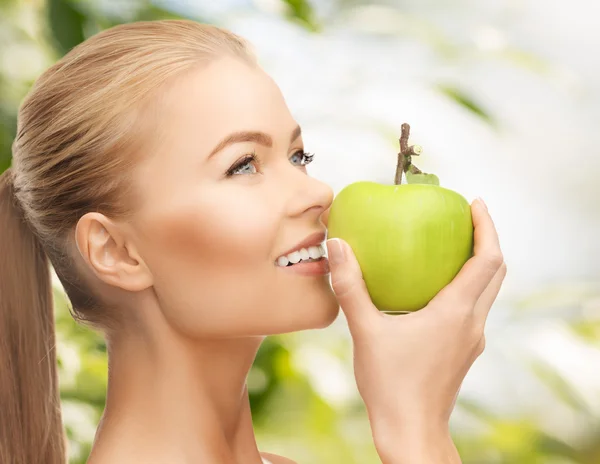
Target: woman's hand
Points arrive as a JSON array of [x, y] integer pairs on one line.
[[409, 368]]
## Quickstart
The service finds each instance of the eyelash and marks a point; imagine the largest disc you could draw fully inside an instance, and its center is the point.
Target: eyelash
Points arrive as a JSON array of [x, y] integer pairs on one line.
[[307, 159]]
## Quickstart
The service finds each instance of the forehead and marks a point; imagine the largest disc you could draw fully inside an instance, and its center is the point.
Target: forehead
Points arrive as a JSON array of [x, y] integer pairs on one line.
[[225, 96]]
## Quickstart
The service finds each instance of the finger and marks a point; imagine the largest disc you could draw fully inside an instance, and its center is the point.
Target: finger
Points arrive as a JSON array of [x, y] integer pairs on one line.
[[476, 274], [349, 286], [489, 295]]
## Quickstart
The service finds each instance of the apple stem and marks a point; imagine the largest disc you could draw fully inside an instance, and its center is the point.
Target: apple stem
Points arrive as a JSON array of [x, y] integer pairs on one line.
[[405, 155]]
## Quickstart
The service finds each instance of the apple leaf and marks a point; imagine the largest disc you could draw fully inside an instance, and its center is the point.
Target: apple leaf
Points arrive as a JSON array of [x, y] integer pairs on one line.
[[422, 178]]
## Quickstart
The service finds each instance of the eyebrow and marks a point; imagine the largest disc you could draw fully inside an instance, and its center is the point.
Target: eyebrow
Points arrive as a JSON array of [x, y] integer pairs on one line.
[[251, 136]]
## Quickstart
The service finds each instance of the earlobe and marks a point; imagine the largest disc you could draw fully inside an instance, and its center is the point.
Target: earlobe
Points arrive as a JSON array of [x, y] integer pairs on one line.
[[103, 246]]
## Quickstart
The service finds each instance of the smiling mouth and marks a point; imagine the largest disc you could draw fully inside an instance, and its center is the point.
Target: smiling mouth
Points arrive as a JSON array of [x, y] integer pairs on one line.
[[304, 255]]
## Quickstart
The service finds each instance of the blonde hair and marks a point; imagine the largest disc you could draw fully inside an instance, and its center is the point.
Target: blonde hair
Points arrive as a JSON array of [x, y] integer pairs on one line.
[[76, 145]]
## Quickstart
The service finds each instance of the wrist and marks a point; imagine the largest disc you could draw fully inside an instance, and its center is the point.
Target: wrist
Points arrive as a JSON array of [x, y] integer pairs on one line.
[[410, 444]]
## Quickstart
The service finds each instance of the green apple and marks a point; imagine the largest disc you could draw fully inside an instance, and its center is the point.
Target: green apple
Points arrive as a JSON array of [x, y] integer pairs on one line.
[[409, 239]]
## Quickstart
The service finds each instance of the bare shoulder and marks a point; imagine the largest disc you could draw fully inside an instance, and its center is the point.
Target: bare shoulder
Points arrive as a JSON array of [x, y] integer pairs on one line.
[[275, 459]]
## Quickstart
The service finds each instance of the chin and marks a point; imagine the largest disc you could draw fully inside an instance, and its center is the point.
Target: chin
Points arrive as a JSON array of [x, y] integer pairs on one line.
[[329, 315], [318, 314]]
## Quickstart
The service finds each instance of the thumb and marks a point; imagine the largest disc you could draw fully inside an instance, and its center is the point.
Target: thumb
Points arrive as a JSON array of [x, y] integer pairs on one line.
[[348, 284]]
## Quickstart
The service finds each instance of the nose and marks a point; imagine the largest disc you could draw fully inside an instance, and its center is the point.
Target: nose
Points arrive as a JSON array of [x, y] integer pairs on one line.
[[311, 196]]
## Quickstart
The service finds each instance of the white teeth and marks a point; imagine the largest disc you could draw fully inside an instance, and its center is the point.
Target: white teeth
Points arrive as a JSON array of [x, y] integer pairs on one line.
[[304, 254], [314, 252], [294, 257]]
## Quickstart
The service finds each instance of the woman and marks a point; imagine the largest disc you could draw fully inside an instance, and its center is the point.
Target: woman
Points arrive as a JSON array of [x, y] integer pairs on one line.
[[160, 171]]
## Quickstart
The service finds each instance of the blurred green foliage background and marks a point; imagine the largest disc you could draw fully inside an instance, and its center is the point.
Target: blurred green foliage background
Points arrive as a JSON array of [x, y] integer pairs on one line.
[[527, 406]]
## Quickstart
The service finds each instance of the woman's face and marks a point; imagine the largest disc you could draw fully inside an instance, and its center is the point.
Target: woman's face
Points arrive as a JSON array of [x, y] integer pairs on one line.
[[215, 220]]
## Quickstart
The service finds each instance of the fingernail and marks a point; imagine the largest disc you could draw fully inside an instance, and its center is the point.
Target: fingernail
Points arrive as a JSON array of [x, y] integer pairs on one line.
[[482, 203], [335, 251]]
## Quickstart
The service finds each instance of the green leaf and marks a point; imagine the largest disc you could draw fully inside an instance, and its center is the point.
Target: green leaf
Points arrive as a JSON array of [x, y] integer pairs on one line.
[[66, 24], [475, 408], [555, 447], [303, 13], [8, 128], [466, 101], [560, 295], [7, 3], [270, 350], [422, 178], [558, 385], [153, 12], [525, 60], [588, 331]]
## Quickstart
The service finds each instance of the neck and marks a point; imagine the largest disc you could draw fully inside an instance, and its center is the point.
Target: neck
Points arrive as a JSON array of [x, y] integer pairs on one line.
[[186, 402]]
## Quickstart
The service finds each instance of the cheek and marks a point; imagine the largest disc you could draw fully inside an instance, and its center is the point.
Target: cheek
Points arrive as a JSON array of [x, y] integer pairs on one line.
[[209, 234], [211, 260]]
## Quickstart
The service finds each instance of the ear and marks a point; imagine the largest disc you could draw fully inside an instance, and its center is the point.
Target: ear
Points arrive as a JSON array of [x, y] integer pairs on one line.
[[111, 257]]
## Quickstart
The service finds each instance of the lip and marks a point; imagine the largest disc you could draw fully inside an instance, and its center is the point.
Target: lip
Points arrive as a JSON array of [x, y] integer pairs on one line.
[[314, 239], [314, 268]]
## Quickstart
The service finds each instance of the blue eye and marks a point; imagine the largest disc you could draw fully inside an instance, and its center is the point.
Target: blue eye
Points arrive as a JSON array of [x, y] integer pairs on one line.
[[305, 158], [243, 166]]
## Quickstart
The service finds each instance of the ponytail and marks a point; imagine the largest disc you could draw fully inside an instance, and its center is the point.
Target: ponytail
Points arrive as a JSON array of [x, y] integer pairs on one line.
[[30, 417]]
